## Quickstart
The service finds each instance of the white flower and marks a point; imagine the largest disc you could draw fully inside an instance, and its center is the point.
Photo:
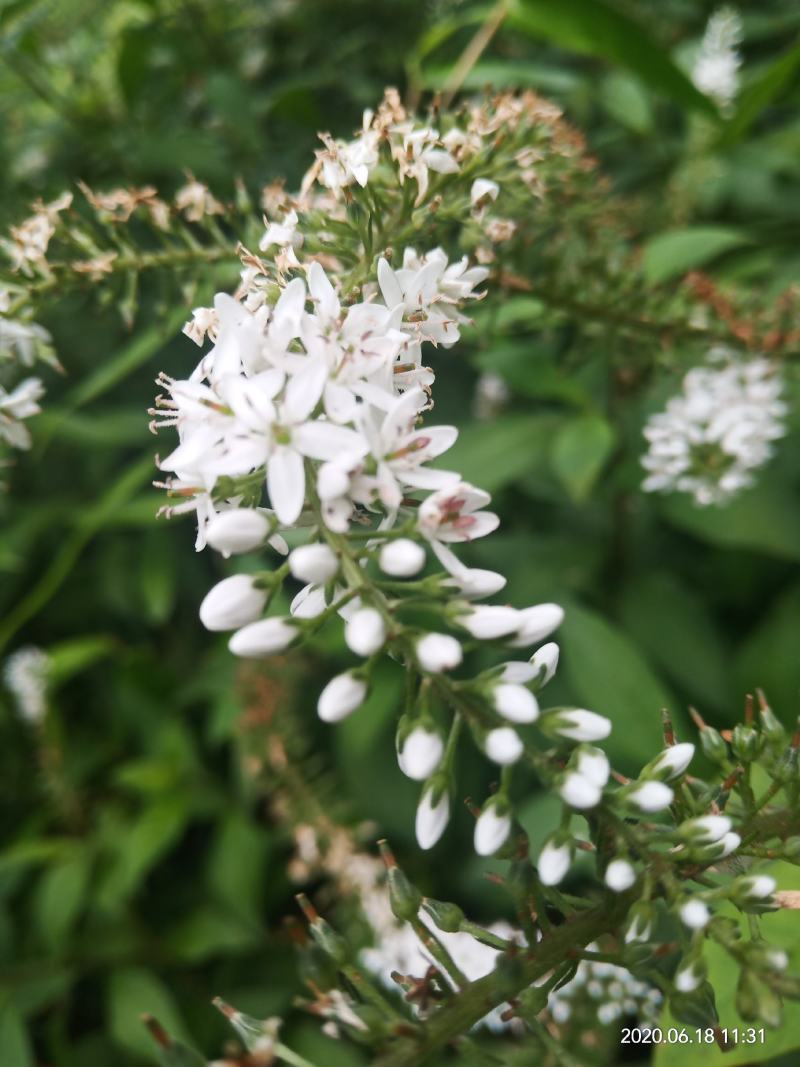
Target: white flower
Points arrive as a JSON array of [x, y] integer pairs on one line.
[[365, 632], [433, 815], [232, 603], [341, 696], [515, 703], [237, 530], [420, 753], [452, 515], [490, 621], [716, 68], [483, 190], [544, 663], [706, 829], [503, 745], [756, 886], [694, 913], [579, 792], [673, 761], [687, 978], [491, 829], [438, 652], [536, 623], [263, 638], [592, 763], [554, 861], [315, 563], [17, 405], [25, 674], [474, 582], [729, 842], [650, 796], [401, 558], [579, 725], [717, 431], [620, 875]]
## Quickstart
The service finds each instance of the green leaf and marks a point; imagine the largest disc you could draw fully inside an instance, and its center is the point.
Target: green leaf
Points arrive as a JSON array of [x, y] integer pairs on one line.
[[60, 894], [143, 844], [132, 993], [768, 658], [595, 28], [580, 450], [14, 1041], [238, 864], [211, 931], [607, 673], [762, 92], [626, 101], [672, 254], [495, 453], [68, 658]]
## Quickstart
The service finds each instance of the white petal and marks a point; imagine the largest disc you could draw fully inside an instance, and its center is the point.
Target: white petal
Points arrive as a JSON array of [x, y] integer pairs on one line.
[[286, 484]]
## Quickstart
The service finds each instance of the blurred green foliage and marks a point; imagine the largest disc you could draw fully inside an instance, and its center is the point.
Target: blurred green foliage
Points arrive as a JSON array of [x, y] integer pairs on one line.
[[141, 869]]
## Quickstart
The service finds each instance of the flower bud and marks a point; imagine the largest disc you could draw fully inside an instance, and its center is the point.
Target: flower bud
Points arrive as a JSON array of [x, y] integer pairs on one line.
[[592, 763], [689, 975], [515, 703], [753, 887], [671, 763], [331, 943], [232, 603], [713, 744], [404, 897], [332, 481], [648, 796], [771, 727], [492, 828], [536, 623], [438, 652], [554, 859], [640, 926], [365, 632], [402, 558], [420, 753], [766, 957], [476, 583], [341, 696], [489, 621], [577, 724], [620, 875], [263, 638], [544, 663], [694, 913], [483, 190], [237, 530], [748, 996], [705, 830], [503, 746], [433, 815], [448, 917], [746, 742], [727, 844], [316, 564], [579, 792]]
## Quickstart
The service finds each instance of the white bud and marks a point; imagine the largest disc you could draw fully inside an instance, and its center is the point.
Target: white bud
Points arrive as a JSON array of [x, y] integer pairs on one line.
[[640, 929], [687, 979], [262, 638], [490, 621], [706, 829], [483, 189], [332, 481], [650, 796], [315, 564], [365, 632], [592, 763], [515, 703], [476, 583], [232, 603], [756, 886], [237, 530], [536, 623], [341, 696], [694, 914], [401, 558], [432, 818], [544, 663], [420, 754], [554, 861], [729, 843], [438, 652], [673, 761], [503, 745], [491, 830], [579, 792], [777, 959], [620, 875], [580, 725]]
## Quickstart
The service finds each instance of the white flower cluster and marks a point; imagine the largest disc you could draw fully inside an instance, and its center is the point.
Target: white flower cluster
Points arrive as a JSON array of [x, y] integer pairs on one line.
[[25, 674], [716, 68], [607, 991], [717, 431], [20, 342]]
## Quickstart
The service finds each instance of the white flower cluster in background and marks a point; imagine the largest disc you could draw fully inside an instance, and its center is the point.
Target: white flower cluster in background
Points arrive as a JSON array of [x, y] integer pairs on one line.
[[25, 675], [20, 343], [717, 431], [606, 990], [716, 68]]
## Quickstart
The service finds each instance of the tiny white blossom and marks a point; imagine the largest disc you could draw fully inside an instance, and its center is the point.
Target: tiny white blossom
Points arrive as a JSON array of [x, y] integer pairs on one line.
[[491, 829], [401, 558], [706, 829], [536, 623], [716, 68], [579, 792], [695, 914], [432, 817], [420, 753], [490, 621], [237, 530], [515, 703], [554, 861], [544, 663], [503, 745], [593, 764], [650, 796], [232, 603], [341, 696], [365, 632], [25, 674], [438, 652], [756, 886], [580, 725], [620, 875], [315, 563], [483, 190], [673, 761], [263, 638], [687, 978]]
